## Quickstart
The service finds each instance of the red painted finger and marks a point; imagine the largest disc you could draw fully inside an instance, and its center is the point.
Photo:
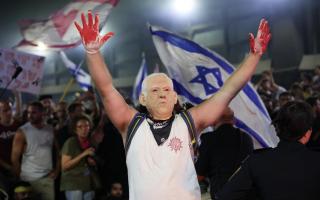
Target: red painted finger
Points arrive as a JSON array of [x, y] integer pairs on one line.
[[106, 37], [90, 19], [78, 28], [261, 24], [84, 23], [267, 28], [96, 23]]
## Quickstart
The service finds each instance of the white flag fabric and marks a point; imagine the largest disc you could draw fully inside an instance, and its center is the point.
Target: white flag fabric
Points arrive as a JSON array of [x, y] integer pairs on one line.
[[142, 74], [82, 77], [156, 69], [198, 73], [30, 78], [58, 31]]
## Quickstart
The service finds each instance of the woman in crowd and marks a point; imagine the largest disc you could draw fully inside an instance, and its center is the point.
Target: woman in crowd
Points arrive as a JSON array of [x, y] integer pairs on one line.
[[77, 160]]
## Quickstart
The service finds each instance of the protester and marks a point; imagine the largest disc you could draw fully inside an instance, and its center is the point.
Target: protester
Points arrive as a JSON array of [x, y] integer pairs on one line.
[[23, 191], [159, 160], [116, 192], [222, 151], [289, 171], [76, 161], [32, 153]]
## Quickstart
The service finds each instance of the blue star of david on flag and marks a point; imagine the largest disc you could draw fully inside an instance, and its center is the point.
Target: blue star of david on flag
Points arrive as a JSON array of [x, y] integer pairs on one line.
[[201, 78]]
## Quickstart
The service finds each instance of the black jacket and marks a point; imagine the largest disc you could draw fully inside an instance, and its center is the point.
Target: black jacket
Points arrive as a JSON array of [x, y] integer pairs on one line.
[[289, 171], [221, 153]]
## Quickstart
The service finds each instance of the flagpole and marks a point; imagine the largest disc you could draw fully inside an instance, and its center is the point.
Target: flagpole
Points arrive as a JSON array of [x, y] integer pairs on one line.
[[66, 89]]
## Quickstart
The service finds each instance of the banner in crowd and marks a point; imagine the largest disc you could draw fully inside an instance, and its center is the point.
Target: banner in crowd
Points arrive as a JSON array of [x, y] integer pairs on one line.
[[58, 31], [82, 77], [29, 79], [198, 73], [142, 74]]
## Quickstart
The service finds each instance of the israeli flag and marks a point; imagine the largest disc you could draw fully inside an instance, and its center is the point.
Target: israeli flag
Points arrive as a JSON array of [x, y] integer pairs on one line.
[[82, 77], [142, 74], [198, 73]]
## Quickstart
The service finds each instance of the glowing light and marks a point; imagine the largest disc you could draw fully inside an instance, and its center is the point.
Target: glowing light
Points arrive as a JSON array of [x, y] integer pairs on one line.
[[184, 7], [42, 46]]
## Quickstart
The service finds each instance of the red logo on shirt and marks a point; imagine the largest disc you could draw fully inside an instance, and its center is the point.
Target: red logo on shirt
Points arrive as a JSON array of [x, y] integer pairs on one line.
[[175, 144]]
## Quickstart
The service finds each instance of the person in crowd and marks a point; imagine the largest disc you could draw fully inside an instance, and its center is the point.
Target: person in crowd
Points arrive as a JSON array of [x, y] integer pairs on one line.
[[289, 171], [32, 152], [268, 87], [222, 151], [89, 101], [159, 161], [75, 109], [314, 142], [116, 192], [23, 191], [284, 98], [316, 79], [305, 79], [297, 91], [63, 132], [49, 107], [8, 127], [61, 115], [76, 160], [111, 154]]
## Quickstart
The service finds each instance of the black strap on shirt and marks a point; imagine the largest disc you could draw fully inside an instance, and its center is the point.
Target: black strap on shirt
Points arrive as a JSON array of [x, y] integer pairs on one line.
[[133, 127], [192, 130], [139, 117]]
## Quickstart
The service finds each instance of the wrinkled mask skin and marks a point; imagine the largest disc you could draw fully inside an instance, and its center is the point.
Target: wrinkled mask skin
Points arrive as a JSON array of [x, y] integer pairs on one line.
[[160, 98]]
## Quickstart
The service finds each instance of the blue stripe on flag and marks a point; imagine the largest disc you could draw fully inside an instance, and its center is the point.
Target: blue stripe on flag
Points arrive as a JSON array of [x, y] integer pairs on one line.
[[184, 92], [240, 124], [137, 87], [194, 47]]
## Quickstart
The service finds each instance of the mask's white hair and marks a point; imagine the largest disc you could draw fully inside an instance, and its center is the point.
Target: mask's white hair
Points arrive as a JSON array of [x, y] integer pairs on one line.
[[144, 82]]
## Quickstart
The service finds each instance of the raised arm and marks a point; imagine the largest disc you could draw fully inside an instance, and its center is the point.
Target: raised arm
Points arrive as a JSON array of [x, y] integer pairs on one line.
[[119, 112], [217, 103]]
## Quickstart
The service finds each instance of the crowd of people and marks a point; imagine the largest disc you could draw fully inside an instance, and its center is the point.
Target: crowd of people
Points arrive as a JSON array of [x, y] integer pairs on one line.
[[109, 149], [306, 88], [58, 146]]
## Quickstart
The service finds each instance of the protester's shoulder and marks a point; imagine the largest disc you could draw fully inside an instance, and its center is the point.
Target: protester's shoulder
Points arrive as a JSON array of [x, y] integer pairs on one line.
[[25, 127], [69, 145], [70, 141], [263, 151], [260, 153]]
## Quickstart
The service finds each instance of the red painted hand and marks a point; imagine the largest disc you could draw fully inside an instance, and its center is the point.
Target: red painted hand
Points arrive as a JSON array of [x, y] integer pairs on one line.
[[259, 44], [91, 39]]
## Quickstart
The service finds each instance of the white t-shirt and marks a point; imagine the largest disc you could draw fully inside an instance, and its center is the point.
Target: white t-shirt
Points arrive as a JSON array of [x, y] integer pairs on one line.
[[164, 172], [37, 158]]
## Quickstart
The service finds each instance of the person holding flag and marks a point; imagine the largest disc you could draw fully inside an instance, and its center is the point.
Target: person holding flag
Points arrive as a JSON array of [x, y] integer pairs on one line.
[[159, 159]]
